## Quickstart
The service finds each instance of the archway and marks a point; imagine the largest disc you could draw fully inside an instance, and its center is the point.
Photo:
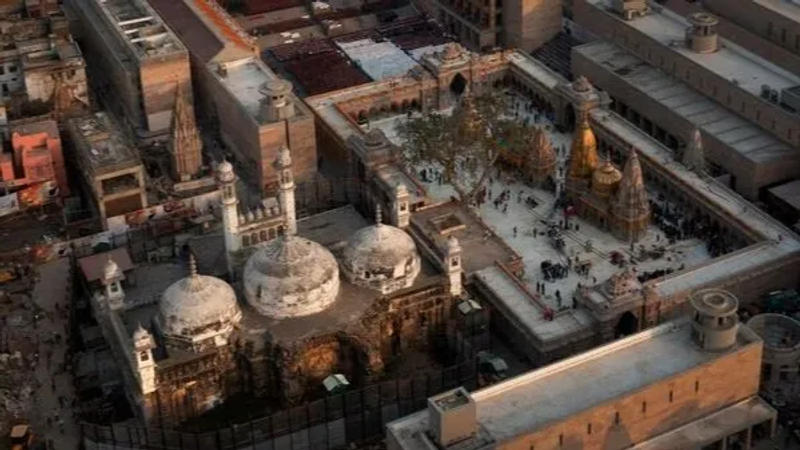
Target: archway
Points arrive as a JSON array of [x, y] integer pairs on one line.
[[628, 324], [570, 117], [458, 84]]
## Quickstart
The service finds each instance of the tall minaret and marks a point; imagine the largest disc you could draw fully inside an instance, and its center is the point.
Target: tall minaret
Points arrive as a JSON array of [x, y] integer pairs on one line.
[[226, 180], [452, 261], [283, 164], [112, 283], [143, 359]]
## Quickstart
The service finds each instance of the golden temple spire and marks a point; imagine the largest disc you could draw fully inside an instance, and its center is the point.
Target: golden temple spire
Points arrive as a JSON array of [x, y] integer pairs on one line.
[[583, 154]]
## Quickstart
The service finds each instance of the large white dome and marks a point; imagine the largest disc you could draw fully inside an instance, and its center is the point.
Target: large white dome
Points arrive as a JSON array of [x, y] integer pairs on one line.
[[198, 304], [381, 257], [291, 276]]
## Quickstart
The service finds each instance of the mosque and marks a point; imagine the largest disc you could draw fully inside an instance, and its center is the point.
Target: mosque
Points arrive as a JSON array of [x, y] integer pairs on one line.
[[327, 294]]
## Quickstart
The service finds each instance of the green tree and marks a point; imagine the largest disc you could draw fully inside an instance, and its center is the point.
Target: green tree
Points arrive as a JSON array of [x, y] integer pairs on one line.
[[466, 145]]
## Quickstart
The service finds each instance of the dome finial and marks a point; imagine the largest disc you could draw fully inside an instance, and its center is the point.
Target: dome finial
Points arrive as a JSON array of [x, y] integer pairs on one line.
[[192, 265], [378, 218]]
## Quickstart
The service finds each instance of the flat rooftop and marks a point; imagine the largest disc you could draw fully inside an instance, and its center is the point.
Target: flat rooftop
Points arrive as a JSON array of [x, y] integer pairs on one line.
[[601, 375], [101, 143], [730, 61], [380, 60], [789, 193], [244, 79], [745, 138], [137, 24], [787, 8]]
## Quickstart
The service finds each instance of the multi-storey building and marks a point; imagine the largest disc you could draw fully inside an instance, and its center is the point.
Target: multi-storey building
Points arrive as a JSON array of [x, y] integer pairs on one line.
[[110, 165], [36, 158], [41, 68], [669, 74], [685, 384], [256, 111], [775, 20], [486, 24], [139, 63]]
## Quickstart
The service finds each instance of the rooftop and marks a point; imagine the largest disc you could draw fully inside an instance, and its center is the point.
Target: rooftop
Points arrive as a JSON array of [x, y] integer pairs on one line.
[[135, 22], [244, 79], [712, 118], [606, 373], [380, 60], [102, 144], [787, 8], [788, 192], [730, 62]]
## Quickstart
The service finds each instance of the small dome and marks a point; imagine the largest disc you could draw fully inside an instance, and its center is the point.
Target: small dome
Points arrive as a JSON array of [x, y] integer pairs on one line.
[[284, 157], [606, 178], [195, 304], [452, 244], [451, 51], [622, 283], [225, 172], [111, 269], [381, 257], [140, 334], [290, 277], [374, 138]]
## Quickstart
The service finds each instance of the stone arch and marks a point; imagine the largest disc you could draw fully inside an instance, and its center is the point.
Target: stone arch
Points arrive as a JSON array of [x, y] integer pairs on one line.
[[405, 104], [272, 233], [263, 235], [458, 84], [415, 105], [395, 107], [626, 325]]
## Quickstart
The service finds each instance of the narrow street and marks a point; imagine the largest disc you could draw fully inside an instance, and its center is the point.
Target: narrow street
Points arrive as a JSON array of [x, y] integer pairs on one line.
[[52, 419]]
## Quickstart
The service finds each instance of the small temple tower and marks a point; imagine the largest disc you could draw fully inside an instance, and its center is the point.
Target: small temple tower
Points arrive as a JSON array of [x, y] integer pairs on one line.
[[583, 155], [277, 103], [184, 145], [112, 282], [452, 260], [693, 156], [226, 180], [401, 211], [630, 209], [283, 165], [143, 359], [540, 162]]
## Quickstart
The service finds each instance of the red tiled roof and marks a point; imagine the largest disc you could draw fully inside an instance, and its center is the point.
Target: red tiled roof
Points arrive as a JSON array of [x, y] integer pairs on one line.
[[219, 18]]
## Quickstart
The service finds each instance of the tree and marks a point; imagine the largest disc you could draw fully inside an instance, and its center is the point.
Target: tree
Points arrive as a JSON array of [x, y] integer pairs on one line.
[[464, 146]]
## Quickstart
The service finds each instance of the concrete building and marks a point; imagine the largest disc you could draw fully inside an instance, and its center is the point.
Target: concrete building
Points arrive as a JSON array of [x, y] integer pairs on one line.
[[110, 165], [684, 384], [41, 68], [137, 60], [485, 25], [775, 20], [37, 158], [781, 361], [252, 109], [669, 74]]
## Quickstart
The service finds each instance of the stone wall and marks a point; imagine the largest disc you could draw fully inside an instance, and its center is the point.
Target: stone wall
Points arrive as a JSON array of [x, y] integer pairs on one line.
[[527, 24], [636, 416]]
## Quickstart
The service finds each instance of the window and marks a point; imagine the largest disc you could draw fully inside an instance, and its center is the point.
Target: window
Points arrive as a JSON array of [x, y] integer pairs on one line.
[[589, 428], [644, 407], [2, 70], [144, 356], [12, 69], [616, 418], [671, 396], [769, 29], [561, 440], [783, 35], [696, 386]]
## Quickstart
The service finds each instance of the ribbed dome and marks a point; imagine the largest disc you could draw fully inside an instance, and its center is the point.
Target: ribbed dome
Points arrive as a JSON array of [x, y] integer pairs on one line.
[[381, 257], [196, 303], [225, 172], [606, 178], [291, 276]]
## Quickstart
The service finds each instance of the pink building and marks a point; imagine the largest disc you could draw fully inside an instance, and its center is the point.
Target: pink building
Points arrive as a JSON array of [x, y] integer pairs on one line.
[[36, 157]]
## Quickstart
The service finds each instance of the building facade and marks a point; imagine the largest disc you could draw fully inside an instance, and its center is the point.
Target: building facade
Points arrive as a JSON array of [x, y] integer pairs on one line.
[[110, 165], [138, 62], [487, 25], [704, 394]]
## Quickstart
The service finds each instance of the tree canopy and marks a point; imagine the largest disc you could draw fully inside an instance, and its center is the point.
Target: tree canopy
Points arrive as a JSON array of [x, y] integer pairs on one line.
[[466, 145]]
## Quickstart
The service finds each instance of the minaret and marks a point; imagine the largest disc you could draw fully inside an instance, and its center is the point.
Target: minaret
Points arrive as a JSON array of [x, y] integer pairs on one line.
[[143, 359], [694, 157], [283, 164], [226, 180], [112, 281], [184, 145], [452, 261], [401, 206]]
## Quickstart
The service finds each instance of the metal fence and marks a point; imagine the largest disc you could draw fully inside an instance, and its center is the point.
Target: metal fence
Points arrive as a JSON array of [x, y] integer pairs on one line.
[[329, 423]]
